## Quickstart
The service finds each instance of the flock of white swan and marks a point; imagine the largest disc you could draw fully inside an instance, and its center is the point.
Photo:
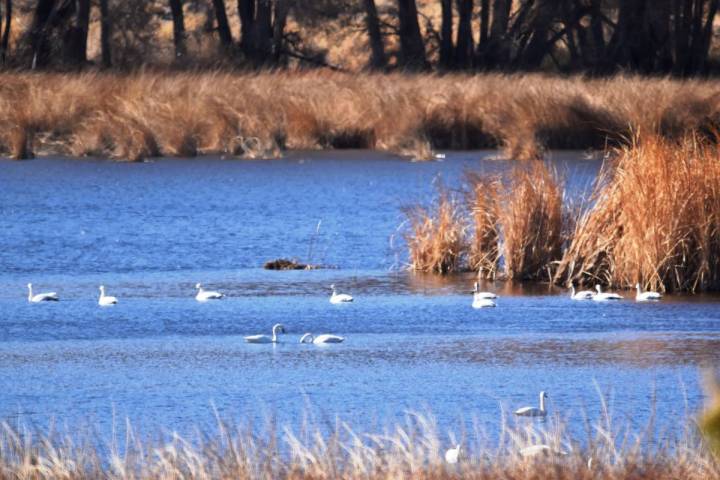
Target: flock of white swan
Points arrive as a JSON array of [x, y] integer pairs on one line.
[[486, 299]]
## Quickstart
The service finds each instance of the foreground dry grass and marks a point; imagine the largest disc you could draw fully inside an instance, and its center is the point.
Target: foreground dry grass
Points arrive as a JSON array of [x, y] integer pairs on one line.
[[653, 219], [410, 450], [185, 114]]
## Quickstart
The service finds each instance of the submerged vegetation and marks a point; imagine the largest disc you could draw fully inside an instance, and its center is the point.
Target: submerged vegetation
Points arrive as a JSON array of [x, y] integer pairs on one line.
[[653, 219], [134, 116]]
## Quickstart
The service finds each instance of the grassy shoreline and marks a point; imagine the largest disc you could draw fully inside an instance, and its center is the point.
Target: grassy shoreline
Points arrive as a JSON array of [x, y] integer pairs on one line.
[[414, 448], [133, 116]]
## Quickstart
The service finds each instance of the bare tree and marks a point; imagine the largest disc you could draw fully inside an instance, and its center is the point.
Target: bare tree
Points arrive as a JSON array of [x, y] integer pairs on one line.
[[223, 26], [465, 45], [378, 61], [5, 36], [446, 33], [105, 34], [412, 48], [178, 28]]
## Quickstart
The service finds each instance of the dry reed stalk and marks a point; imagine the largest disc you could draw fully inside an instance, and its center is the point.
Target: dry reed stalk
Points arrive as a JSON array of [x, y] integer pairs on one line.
[[482, 203], [436, 237], [530, 213], [655, 220], [129, 116], [408, 450]]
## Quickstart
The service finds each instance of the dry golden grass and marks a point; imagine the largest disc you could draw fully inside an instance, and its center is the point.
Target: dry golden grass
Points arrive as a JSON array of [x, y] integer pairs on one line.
[[655, 220], [131, 116], [531, 217], [437, 237], [409, 450], [482, 201]]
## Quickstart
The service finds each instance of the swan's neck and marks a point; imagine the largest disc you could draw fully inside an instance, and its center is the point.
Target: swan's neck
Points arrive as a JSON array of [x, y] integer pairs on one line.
[[542, 402], [572, 290], [102, 292], [639, 290], [30, 292], [274, 336]]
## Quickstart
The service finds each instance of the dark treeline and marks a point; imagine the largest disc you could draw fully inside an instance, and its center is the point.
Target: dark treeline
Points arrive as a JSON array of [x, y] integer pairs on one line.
[[597, 37]]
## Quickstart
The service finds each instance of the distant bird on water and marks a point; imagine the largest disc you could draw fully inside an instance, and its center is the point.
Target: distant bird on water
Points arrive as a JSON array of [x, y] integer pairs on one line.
[[533, 411], [106, 300], [205, 295], [339, 297], [41, 297]]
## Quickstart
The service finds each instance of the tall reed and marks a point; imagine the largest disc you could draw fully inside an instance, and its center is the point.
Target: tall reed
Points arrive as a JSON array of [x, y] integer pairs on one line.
[[482, 199], [436, 237], [531, 215], [655, 220]]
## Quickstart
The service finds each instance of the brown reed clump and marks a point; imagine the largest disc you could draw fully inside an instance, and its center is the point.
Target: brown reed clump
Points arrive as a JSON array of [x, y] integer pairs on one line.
[[437, 237], [530, 213], [133, 115], [482, 199], [655, 220]]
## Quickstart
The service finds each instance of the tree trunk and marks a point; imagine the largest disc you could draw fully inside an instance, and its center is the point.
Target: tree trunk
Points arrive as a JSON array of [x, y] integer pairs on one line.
[[262, 33], [278, 26], [178, 28], [497, 52], [38, 45], [81, 32], [5, 32], [544, 14], [223, 26], [484, 20], [465, 45], [446, 32], [105, 34], [246, 12], [412, 48], [378, 61]]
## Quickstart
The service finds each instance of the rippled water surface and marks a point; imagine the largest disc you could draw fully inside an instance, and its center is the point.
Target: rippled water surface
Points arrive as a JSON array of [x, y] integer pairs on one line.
[[150, 231]]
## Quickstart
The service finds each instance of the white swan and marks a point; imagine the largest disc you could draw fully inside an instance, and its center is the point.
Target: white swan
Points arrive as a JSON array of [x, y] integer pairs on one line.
[[41, 297], [541, 449], [604, 297], [106, 300], [339, 297], [278, 328], [645, 296], [205, 295], [452, 455], [532, 411], [478, 294], [482, 303], [581, 295], [320, 339]]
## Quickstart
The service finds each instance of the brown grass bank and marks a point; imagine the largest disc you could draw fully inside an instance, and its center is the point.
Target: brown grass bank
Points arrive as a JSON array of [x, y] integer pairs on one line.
[[137, 115]]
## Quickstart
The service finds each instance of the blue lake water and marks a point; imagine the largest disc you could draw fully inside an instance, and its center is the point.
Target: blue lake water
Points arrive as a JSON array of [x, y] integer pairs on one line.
[[150, 231]]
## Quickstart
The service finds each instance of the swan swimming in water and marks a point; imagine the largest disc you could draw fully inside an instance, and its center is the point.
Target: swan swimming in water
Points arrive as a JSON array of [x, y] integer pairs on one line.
[[581, 295], [278, 328], [603, 297], [205, 295], [482, 303], [41, 297], [645, 296], [541, 449], [106, 300], [533, 411], [321, 339], [452, 455], [478, 294], [339, 297]]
